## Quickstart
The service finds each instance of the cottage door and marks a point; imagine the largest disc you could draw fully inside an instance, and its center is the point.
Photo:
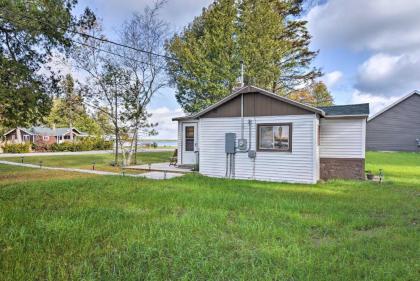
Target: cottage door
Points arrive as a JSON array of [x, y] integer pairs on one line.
[[189, 143]]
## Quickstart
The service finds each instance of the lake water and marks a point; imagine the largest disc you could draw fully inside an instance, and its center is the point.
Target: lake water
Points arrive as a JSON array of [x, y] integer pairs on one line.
[[159, 142]]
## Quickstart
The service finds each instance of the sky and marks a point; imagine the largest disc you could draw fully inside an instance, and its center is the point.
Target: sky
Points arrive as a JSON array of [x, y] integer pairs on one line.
[[369, 51]]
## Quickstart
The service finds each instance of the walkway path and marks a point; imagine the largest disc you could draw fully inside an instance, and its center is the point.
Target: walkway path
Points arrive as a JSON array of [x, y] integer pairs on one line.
[[150, 175], [77, 153], [160, 167]]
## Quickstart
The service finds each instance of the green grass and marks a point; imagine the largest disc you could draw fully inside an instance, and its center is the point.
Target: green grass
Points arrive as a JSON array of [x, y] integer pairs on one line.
[[102, 161], [198, 228]]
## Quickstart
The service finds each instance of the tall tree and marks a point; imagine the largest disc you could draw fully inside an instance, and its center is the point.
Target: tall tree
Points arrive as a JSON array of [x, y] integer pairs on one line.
[[321, 94], [259, 27], [106, 87], [29, 33], [266, 35], [79, 119], [143, 31], [207, 61], [72, 105], [316, 94], [103, 120]]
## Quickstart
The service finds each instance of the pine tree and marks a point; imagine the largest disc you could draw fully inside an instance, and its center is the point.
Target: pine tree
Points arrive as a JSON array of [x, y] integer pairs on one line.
[[260, 49], [207, 57], [266, 35]]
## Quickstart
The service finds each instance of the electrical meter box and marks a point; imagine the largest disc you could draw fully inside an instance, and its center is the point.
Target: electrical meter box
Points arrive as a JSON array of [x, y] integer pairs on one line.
[[230, 141], [252, 154], [242, 144]]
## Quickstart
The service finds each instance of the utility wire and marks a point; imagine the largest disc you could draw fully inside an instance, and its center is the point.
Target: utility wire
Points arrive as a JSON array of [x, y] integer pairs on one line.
[[109, 52], [96, 38], [122, 45]]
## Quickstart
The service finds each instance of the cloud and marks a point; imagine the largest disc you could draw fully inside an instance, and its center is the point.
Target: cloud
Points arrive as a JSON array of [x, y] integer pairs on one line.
[[332, 78], [376, 103], [388, 32], [389, 75], [178, 13], [163, 116], [377, 25]]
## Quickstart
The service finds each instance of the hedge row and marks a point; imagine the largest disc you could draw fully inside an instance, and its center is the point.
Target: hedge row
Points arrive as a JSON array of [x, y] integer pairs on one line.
[[85, 144], [17, 148]]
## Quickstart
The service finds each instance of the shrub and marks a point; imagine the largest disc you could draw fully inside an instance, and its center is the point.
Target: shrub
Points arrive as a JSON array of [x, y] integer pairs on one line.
[[41, 146], [85, 144], [17, 148]]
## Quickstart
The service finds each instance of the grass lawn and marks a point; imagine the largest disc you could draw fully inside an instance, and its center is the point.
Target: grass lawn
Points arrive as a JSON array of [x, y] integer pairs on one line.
[[102, 161], [60, 226]]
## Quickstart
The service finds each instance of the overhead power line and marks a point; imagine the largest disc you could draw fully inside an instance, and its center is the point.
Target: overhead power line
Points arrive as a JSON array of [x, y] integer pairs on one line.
[[109, 52], [96, 38], [122, 45]]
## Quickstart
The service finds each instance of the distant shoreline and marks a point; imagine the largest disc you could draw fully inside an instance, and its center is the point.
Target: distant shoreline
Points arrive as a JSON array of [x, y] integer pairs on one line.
[[159, 140]]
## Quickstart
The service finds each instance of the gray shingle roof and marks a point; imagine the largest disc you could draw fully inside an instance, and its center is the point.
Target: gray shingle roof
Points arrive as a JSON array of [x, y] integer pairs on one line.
[[44, 131], [347, 110]]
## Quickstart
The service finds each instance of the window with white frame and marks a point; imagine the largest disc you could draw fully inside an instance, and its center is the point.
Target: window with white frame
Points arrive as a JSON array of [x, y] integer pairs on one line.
[[274, 137], [46, 138]]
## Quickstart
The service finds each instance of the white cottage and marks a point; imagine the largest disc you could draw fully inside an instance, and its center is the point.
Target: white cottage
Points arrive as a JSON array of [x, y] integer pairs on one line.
[[255, 134]]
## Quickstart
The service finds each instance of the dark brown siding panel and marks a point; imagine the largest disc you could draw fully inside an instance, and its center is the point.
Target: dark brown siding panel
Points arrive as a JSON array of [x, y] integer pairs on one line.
[[280, 108], [249, 104], [397, 128], [231, 108], [255, 104], [342, 168]]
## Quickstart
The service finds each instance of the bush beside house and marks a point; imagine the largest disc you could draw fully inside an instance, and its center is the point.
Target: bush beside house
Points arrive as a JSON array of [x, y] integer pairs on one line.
[[16, 147], [85, 144]]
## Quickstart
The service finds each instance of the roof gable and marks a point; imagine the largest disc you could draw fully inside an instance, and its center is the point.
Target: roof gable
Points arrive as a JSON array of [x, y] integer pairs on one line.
[[255, 104], [385, 109], [22, 129], [232, 111]]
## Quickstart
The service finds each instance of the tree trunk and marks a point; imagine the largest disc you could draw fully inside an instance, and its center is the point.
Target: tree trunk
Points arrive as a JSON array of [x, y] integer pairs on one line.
[[19, 135], [117, 133], [71, 134], [124, 159], [135, 149], [116, 144], [71, 131], [133, 143]]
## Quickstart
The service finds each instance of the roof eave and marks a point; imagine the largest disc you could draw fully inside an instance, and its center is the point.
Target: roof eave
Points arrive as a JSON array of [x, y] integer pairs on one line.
[[29, 133], [182, 118], [385, 109], [347, 116]]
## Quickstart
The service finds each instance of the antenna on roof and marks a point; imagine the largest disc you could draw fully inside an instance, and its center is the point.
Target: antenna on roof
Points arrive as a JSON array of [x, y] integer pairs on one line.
[[241, 79]]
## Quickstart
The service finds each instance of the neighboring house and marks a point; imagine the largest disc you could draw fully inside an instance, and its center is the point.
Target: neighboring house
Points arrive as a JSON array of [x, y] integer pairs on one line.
[[274, 139], [396, 127], [42, 134]]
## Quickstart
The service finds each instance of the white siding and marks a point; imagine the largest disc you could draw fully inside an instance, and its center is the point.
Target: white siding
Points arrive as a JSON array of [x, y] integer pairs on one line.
[[316, 150], [179, 142], [296, 166], [343, 138]]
